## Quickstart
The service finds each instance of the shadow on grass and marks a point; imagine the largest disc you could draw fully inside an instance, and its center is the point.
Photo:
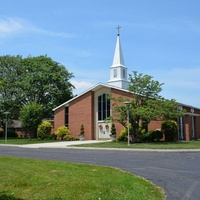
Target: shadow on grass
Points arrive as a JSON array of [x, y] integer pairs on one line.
[[4, 196]]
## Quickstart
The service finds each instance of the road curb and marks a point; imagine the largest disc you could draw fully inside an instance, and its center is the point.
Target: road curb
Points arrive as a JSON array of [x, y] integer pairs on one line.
[[136, 150]]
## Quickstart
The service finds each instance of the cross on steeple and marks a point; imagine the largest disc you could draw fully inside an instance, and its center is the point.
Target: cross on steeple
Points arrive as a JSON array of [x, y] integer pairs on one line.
[[118, 29]]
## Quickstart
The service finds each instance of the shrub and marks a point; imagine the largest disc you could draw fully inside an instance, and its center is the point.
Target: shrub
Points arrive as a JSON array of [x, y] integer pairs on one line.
[[152, 136], [44, 137], [12, 134], [158, 135], [52, 136], [170, 129], [1, 134], [113, 130], [123, 135], [48, 136], [62, 131], [82, 131], [70, 138], [44, 130]]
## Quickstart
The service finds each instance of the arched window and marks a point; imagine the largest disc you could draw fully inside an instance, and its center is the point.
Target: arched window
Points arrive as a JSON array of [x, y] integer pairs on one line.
[[103, 107]]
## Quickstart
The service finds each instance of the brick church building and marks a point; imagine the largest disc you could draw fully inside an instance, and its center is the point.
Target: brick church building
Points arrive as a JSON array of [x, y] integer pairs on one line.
[[91, 107]]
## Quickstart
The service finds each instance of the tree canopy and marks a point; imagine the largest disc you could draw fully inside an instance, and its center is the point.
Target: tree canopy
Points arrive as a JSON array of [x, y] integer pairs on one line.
[[31, 117], [145, 105], [33, 79]]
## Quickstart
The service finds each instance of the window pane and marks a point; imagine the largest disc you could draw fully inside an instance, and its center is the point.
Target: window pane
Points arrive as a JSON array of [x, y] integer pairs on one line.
[[99, 108], [66, 116], [115, 73], [103, 107], [108, 107], [124, 74]]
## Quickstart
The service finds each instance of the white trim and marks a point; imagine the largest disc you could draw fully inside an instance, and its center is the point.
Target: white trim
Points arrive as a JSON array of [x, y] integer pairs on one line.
[[94, 88], [192, 114]]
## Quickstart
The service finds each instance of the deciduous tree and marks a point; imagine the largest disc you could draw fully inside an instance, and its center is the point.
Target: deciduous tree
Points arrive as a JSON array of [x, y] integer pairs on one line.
[[33, 79], [146, 104], [31, 117]]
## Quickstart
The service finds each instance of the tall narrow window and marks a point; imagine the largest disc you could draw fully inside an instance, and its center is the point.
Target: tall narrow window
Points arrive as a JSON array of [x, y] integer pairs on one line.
[[115, 73], [181, 124], [192, 118], [181, 127], [103, 107], [124, 73], [66, 116]]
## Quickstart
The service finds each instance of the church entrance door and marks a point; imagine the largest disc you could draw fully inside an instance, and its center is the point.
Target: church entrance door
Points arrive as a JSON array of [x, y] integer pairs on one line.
[[104, 130]]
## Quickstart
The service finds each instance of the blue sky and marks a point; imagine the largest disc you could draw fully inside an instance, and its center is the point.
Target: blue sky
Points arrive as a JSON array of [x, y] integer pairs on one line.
[[159, 38]]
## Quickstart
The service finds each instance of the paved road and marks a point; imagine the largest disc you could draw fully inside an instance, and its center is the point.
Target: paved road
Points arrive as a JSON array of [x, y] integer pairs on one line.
[[176, 172]]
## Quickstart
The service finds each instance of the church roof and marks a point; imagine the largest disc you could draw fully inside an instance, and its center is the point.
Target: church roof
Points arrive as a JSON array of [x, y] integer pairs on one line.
[[94, 88], [99, 86]]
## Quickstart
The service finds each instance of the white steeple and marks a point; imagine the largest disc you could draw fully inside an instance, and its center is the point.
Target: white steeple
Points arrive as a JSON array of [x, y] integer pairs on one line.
[[118, 70]]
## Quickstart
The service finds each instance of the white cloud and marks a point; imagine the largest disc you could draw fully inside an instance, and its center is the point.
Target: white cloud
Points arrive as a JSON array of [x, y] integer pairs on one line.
[[81, 86], [12, 26], [39, 31]]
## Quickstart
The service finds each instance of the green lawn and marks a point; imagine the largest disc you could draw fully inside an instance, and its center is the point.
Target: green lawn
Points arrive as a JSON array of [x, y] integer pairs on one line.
[[153, 145], [28, 179], [24, 141]]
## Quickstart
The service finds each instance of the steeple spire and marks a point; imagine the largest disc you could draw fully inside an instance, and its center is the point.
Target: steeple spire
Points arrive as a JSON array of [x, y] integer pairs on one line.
[[118, 56], [118, 70]]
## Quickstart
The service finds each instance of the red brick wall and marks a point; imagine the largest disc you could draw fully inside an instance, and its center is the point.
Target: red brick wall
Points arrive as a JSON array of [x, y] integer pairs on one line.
[[116, 93], [59, 118], [154, 125], [81, 111]]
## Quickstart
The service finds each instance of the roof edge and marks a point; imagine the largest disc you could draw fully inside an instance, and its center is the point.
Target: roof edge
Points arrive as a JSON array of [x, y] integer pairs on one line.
[[90, 89]]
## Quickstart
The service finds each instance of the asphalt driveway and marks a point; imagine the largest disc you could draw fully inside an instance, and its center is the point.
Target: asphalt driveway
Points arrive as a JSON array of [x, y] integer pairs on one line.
[[176, 172]]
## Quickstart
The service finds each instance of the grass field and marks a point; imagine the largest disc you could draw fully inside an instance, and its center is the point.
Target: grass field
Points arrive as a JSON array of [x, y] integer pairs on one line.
[[28, 179], [153, 145], [24, 141]]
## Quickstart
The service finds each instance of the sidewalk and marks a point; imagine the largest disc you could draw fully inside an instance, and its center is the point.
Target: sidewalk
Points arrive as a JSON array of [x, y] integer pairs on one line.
[[60, 144]]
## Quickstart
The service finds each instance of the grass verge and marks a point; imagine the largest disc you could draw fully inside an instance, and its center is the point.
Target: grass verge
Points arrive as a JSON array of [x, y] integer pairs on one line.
[[25, 141], [22, 179], [153, 145]]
